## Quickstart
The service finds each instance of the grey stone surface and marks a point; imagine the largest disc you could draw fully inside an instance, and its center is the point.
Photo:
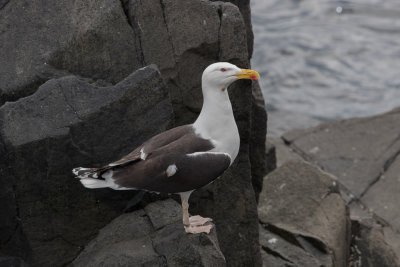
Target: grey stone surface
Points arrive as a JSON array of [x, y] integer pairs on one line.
[[383, 198], [271, 260], [301, 204], [281, 121], [132, 240], [364, 154], [283, 153], [65, 123], [356, 151], [392, 238], [359, 212]]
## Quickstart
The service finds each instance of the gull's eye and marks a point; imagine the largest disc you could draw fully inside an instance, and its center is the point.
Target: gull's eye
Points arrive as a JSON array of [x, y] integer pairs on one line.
[[223, 69]]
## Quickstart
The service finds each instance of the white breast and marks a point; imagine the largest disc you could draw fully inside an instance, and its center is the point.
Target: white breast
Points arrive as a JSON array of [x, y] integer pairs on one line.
[[216, 121], [221, 129]]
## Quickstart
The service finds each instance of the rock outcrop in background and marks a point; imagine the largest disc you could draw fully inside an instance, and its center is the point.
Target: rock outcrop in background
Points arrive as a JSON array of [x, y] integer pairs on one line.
[[361, 156], [303, 218], [71, 94]]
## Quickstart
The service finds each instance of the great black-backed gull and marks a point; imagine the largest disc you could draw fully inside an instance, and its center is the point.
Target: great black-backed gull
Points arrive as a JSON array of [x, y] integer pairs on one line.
[[184, 158]]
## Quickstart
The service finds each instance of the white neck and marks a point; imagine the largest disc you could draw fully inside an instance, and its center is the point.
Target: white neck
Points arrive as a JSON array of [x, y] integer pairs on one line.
[[216, 121]]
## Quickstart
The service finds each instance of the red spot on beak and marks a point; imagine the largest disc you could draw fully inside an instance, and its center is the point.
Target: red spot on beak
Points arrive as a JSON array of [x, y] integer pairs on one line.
[[253, 77]]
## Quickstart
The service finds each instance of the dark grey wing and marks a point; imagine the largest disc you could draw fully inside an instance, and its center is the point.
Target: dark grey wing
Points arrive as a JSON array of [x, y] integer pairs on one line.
[[154, 143], [181, 140], [172, 172]]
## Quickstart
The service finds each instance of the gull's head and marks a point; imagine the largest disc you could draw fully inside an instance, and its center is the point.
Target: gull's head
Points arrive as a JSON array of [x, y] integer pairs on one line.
[[220, 75]]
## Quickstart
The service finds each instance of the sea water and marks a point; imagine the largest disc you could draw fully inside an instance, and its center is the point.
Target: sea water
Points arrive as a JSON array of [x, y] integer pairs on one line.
[[324, 60]]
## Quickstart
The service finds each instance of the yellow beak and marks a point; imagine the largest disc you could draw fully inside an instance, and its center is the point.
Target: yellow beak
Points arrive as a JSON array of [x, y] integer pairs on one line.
[[248, 74]]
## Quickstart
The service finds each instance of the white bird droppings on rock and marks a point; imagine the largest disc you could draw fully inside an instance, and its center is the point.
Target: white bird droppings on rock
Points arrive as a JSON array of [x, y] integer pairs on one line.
[[272, 240], [314, 150]]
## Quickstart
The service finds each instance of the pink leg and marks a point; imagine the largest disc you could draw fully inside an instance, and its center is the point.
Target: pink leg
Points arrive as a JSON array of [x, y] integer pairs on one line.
[[194, 224]]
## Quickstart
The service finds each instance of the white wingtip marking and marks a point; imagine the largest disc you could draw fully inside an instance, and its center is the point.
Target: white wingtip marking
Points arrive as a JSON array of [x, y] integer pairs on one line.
[[93, 183], [78, 169], [75, 171], [171, 170], [107, 175], [142, 154]]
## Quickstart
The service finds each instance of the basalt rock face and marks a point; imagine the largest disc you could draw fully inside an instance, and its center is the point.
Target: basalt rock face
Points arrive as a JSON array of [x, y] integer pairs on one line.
[[66, 123], [86, 38], [153, 236], [72, 61]]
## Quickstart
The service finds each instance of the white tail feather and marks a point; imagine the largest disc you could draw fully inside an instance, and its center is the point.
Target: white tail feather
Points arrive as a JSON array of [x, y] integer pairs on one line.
[[93, 183]]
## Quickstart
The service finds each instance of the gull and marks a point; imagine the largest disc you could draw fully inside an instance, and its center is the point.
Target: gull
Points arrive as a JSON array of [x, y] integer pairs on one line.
[[185, 158]]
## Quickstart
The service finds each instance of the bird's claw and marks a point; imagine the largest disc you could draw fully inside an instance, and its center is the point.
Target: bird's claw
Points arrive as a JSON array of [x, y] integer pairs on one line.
[[198, 229], [196, 225]]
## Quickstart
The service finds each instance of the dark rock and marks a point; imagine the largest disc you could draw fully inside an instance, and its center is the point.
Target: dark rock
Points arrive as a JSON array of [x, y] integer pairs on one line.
[[104, 42], [68, 123], [270, 155], [205, 33], [301, 205], [355, 150], [147, 17], [369, 247], [216, 32], [261, 162], [160, 216], [182, 44], [12, 262], [131, 240], [244, 7], [232, 196], [62, 37], [216, 200]]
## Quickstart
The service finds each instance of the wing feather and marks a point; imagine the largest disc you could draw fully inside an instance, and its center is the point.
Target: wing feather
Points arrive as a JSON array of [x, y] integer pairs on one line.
[[192, 172]]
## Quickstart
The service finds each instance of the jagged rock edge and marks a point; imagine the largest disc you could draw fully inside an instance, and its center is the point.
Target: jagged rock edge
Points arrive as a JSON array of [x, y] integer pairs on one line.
[[293, 238], [275, 254]]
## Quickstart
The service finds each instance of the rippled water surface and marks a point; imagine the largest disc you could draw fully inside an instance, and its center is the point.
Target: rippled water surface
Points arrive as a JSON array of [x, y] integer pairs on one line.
[[321, 60]]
